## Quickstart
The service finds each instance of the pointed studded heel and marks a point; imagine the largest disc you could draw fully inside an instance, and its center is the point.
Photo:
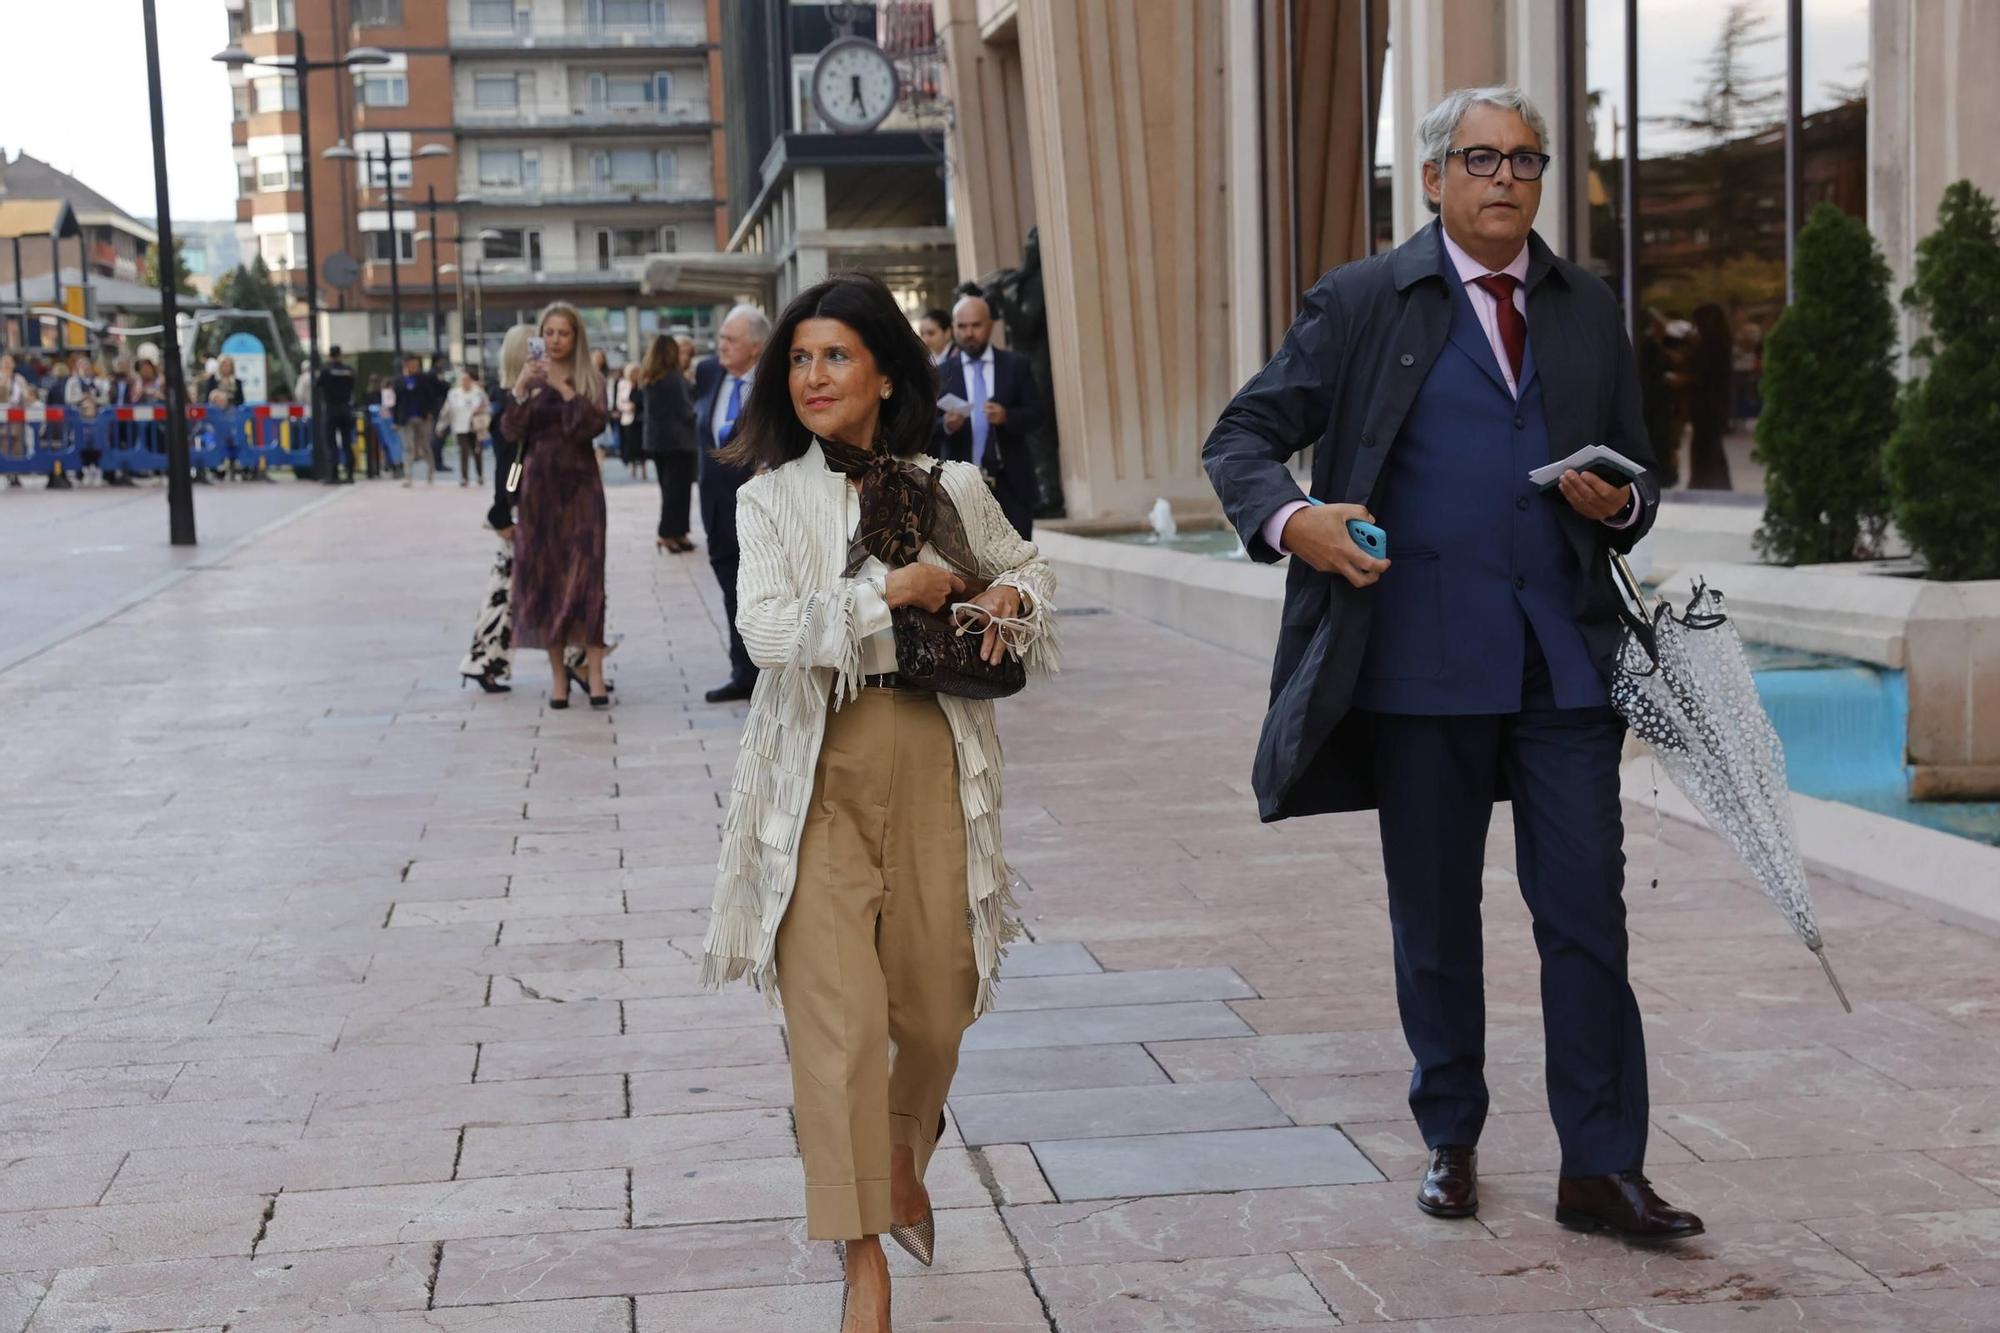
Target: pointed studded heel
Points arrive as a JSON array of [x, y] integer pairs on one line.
[[919, 1238]]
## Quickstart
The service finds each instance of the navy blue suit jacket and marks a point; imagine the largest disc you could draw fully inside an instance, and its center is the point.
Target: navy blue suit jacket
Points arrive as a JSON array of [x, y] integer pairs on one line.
[[719, 482], [1347, 379]]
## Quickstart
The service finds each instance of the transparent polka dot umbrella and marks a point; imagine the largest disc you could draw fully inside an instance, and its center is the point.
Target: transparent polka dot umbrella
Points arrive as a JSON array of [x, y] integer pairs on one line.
[[1683, 684]]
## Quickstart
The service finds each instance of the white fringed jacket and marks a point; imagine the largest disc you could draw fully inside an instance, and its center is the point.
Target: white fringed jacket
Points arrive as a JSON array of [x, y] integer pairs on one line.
[[796, 613]]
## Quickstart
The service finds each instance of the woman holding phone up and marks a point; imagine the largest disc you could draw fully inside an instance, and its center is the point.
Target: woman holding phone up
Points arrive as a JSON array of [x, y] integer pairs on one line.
[[861, 866], [554, 418]]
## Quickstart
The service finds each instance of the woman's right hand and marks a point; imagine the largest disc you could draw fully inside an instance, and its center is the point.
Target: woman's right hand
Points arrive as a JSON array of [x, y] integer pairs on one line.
[[533, 376], [505, 534], [925, 586]]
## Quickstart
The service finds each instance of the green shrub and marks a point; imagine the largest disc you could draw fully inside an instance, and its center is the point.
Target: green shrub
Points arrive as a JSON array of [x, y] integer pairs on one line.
[[1943, 463], [1829, 399]]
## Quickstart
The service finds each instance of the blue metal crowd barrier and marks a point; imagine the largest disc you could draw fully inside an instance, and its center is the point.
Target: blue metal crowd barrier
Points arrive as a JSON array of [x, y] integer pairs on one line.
[[37, 440]]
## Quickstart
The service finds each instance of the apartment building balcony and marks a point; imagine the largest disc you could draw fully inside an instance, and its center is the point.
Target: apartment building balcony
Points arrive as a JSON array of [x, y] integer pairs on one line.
[[625, 273], [667, 190], [555, 38], [511, 275], [689, 113]]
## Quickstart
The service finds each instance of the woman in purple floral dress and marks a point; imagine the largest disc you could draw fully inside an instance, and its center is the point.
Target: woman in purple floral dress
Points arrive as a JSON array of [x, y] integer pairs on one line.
[[558, 592]]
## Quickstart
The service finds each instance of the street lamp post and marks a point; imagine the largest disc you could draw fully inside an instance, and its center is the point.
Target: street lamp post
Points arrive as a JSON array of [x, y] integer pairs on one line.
[[342, 152], [483, 235], [395, 254], [437, 314], [300, 66], [480, 268], [180, 488]]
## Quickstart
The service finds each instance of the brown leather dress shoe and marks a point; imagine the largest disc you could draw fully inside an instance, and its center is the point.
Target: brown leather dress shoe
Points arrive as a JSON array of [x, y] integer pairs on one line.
[[1451, 1185], [1624, 1205]]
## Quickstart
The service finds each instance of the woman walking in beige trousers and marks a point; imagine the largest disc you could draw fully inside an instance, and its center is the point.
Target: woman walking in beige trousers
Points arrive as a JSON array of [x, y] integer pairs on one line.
[[861, 866]]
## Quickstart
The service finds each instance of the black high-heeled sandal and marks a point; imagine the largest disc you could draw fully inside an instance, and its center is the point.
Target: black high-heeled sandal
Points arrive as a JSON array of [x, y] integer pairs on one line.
[[577, 678], [489, 685]]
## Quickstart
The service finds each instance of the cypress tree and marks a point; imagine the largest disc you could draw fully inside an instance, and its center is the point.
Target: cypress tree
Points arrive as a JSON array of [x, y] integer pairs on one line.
[[1829, 399], [1943, 462]]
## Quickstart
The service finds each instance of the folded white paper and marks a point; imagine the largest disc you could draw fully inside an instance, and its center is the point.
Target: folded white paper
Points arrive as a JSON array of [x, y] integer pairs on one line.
[[1581, 460], [951, 402]]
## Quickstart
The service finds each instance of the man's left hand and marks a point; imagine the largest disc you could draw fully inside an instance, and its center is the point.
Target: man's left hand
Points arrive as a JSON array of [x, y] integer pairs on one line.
[[1594, 497], [996, 415], [1002, 603]]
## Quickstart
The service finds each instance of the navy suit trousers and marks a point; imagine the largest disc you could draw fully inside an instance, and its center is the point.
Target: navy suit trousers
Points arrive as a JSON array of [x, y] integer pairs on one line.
[[718, 521], [1437, 778]]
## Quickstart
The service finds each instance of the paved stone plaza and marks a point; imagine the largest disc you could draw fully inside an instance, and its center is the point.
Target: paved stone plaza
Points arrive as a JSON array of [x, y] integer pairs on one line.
[[338, 997]]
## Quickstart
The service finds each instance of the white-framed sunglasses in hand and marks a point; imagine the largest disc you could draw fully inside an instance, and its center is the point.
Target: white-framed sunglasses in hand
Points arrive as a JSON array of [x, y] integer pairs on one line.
[[1002, 633]]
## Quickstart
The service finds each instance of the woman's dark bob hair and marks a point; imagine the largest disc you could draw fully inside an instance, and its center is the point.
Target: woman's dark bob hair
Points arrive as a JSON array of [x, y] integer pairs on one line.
[[770, 433]]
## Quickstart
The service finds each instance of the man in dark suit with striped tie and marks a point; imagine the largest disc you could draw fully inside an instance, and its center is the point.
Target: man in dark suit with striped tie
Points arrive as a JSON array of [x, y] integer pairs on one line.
[[722, 386]]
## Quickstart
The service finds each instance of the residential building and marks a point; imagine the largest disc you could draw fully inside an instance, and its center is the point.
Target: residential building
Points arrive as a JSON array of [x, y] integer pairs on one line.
[[115, 244], [582, 138], [62, 244]]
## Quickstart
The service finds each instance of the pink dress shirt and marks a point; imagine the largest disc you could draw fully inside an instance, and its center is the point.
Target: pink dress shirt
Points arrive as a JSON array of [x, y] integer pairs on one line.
[[1488, 310]]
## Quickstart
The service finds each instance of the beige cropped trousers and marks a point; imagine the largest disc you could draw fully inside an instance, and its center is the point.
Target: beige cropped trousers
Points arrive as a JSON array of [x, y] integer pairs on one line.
[[874, 955]]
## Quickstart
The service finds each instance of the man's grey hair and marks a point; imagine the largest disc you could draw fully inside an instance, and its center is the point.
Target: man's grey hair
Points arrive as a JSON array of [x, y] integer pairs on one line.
[[756, 323], [1435, 130]]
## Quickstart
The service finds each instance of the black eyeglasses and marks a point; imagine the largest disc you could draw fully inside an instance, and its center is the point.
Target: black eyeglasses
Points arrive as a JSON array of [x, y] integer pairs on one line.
[[1483, 161]]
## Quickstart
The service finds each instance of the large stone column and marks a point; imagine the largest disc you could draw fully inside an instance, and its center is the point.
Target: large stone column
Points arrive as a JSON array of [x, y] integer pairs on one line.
[[1434, 47], [1933, 104], [1127, 111], [992, 193]]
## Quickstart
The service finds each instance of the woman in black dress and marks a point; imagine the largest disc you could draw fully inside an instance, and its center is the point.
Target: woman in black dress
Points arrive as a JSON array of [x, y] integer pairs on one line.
[[1708, 459], [559, 522], [669, 425]]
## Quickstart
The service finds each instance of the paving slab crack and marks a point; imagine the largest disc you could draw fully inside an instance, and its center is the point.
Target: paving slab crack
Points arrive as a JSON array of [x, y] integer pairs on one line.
[[264, 1222], [431, 1282], [989, 1180]]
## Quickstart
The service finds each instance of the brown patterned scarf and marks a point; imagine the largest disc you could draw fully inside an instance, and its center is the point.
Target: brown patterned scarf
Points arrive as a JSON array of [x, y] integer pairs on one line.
[[903, 508]]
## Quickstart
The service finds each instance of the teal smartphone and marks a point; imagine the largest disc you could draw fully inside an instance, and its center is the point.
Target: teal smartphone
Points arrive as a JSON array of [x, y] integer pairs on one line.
[[1366, 535]]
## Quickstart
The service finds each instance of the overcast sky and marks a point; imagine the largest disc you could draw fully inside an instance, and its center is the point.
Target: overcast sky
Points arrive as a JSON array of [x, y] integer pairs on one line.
[[74, 94], [74, 88]]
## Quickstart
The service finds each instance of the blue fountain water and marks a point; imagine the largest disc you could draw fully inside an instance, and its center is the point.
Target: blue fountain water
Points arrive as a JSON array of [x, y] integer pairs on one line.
[[1843, 724]]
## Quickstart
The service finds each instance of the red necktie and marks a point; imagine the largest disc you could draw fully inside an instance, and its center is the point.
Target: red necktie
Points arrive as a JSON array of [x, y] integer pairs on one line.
[[1513, 326]]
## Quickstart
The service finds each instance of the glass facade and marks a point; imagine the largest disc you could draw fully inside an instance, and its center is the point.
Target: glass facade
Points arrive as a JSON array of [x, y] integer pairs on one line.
[[1704, 219]]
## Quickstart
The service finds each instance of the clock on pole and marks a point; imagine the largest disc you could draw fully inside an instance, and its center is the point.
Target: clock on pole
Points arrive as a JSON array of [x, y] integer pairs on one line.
[[854, 85]]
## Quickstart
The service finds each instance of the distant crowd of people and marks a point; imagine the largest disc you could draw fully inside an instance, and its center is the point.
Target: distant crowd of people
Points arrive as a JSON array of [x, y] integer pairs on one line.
[[79, 384]]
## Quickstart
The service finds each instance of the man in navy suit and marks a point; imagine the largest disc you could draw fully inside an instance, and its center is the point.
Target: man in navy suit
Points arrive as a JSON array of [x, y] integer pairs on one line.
[[721, 388], [1472, 664], [1004, 410]]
